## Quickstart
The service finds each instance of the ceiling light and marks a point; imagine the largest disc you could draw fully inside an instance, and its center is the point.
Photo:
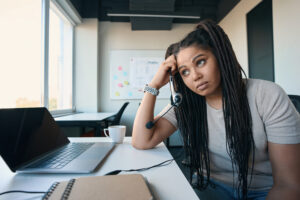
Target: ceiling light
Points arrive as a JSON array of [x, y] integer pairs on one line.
[[152, 15]]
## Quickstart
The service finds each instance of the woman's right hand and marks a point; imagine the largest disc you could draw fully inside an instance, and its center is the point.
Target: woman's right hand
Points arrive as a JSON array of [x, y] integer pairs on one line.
[[162, 75]]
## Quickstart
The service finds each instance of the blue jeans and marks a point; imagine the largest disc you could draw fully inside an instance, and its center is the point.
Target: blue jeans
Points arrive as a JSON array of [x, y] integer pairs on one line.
[[224, 192]]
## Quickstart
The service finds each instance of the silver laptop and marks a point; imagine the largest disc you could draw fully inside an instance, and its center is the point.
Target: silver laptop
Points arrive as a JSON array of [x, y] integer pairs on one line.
[[32, 142]]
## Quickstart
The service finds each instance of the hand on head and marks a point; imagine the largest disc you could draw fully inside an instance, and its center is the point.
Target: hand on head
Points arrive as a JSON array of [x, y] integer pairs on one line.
[[162, 75]]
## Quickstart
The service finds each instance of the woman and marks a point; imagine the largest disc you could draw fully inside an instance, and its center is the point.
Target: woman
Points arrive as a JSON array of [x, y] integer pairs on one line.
[[242, 135]]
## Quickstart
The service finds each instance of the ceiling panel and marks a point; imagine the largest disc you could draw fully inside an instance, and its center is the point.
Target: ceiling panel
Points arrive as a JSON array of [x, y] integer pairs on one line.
[[212, 9]]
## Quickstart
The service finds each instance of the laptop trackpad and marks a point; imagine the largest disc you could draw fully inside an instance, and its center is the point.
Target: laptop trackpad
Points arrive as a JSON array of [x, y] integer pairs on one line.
[[98, 150], [92, 157]]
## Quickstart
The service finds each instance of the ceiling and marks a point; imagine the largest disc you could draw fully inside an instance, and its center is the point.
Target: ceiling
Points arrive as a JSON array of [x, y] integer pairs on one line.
[[170, 11]]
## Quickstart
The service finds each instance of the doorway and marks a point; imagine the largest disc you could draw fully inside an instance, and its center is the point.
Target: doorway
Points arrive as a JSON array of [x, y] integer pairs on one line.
[[260, 41]]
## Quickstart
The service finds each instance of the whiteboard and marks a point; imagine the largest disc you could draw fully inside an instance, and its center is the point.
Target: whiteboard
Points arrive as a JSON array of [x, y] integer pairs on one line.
[[130, 70]]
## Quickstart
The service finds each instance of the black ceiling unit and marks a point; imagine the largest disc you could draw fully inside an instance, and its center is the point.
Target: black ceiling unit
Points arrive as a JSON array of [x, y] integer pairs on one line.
[[154, 14], [155, 6]]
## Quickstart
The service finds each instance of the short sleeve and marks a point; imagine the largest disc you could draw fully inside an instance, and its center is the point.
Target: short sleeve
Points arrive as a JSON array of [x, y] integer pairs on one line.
[[280, 117], [170, 116]]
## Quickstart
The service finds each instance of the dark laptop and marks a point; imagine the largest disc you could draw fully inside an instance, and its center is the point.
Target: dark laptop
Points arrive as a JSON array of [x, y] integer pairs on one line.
[[32, 142]]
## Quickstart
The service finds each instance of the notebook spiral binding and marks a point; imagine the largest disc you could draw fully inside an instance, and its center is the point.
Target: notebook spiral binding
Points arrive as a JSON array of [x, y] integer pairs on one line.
[[65, 194], [68, 189], [50, 191]]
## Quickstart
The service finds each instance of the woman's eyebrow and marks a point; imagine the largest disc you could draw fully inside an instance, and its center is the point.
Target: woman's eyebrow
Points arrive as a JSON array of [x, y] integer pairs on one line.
[[197, 56], [193, 60], [182, 66]]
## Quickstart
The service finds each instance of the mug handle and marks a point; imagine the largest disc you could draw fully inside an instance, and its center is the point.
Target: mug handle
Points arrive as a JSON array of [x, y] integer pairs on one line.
[[104, 130]]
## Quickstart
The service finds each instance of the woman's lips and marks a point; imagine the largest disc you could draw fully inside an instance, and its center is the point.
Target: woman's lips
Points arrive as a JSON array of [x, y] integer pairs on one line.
[[202, 86]]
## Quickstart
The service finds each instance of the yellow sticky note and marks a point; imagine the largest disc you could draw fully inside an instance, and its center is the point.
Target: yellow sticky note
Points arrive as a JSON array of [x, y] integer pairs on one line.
[[117, 94]]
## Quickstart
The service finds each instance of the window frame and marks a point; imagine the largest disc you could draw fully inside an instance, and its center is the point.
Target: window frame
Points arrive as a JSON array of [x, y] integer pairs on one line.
[[69, 13]]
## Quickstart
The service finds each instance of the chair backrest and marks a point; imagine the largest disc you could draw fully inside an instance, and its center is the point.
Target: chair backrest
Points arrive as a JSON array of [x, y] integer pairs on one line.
[[296, 101], [115, 120]]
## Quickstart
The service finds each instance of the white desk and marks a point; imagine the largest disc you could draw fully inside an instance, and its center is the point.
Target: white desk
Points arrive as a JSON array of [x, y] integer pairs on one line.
[[94, 120], [85, 117], [167, 182]]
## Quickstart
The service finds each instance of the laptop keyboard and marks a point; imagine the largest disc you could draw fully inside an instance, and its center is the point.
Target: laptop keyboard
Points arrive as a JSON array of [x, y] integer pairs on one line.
[[63, 156]]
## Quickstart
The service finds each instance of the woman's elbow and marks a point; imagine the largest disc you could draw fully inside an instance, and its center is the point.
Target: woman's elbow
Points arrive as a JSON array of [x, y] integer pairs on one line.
[[140, 146]]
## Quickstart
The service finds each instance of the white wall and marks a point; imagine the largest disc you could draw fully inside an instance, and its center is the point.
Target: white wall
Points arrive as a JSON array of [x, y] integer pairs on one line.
[[286, 30], [235, 26], [118, 36], [86, 66], [286, 26]]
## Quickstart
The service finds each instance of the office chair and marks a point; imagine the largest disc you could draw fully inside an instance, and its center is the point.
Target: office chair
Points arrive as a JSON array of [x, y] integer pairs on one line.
[[296, 101], [115, 119]]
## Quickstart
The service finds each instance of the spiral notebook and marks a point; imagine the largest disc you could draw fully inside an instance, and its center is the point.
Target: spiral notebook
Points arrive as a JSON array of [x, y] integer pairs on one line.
[[114, 187]]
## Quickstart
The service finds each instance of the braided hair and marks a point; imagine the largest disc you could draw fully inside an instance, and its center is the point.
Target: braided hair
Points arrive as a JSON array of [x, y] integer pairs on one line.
[[192, 113]]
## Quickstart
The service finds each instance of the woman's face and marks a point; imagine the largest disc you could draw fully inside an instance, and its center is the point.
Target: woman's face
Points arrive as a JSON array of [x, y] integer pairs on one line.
[[199, 70]]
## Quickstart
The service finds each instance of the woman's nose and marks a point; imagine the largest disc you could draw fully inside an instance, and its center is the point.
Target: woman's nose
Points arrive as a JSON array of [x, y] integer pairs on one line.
[[196, 74]]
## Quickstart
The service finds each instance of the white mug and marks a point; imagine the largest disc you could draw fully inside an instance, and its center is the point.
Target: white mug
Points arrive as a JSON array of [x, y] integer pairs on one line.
[[116, 133]]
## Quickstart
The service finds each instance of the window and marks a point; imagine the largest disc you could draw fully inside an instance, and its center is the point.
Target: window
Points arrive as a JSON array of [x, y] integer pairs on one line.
[[20, 54], [60, 61], [36, 55]]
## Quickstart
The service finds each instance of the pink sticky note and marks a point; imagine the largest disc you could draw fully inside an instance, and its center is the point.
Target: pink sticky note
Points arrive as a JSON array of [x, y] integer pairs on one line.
[[120, 84], [120, 68]]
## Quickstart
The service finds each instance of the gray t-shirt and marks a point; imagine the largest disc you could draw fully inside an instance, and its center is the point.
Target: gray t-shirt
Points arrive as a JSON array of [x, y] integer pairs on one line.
[[275, 119]]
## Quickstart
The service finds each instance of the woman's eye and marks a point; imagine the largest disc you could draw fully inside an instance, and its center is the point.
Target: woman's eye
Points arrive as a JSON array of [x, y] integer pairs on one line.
[[200, 63], [185, 72]]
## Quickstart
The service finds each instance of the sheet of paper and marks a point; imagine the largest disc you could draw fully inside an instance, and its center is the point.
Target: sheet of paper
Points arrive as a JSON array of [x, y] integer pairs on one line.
[[142, 70]]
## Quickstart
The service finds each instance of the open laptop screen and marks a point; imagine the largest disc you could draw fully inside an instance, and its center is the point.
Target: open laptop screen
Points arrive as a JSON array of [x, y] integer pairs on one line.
[[26, 133]]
